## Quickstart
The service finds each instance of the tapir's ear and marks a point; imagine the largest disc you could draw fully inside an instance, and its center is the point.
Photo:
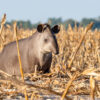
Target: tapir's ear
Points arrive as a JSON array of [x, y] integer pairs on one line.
[[40, 28], [56, 29]]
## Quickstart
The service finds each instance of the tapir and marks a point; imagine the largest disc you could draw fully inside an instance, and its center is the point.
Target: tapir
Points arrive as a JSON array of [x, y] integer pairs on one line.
[[35, 50]]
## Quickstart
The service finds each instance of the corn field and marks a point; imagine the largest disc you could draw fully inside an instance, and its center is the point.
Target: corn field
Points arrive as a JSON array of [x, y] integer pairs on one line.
[[74, 71]]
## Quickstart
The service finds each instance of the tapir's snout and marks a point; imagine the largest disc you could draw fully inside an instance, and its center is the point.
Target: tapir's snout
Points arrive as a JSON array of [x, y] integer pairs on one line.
[[55, 48], [56, 51]]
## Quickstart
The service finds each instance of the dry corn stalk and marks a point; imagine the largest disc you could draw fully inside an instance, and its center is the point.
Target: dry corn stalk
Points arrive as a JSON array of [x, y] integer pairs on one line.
[[1, 30], [68, 86], [2, 26], [92, 86], [21, 70], [78, 47]]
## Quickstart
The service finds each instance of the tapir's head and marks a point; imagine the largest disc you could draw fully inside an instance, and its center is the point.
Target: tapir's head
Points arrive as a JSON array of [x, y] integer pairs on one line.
[[47, 39]]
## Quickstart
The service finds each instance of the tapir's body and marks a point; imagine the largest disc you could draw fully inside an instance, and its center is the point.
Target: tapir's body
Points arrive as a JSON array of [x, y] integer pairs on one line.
[[31, 53]]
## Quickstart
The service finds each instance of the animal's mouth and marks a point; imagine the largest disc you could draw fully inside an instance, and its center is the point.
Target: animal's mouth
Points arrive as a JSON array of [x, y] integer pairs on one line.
[[56, 52]]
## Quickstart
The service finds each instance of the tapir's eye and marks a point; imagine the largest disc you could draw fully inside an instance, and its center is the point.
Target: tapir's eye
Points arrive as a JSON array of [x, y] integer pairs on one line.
[[45, 40]]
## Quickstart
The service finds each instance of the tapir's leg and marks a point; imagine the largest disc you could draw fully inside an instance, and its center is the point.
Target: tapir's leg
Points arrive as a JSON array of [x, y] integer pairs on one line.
[[47, 66], [45, 62]]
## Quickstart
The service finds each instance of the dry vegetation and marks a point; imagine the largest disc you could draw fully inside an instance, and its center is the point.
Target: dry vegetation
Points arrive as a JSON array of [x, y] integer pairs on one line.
[[75, 71]]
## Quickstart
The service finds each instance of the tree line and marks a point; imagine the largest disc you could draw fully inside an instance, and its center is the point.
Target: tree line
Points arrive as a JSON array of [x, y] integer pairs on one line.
[[53, 21]]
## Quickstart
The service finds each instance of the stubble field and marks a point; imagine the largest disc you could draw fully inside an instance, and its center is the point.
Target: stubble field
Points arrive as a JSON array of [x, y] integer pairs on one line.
[[74, 71]]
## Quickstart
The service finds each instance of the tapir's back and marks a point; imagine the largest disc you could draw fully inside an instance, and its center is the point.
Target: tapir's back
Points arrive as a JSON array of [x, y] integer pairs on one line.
[[9, 57]]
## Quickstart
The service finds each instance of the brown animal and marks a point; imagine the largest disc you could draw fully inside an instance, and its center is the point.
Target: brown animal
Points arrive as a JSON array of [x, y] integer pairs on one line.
[[34, 50]]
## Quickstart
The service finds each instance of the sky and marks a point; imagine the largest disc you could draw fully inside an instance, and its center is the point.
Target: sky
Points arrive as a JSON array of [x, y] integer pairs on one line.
[[41, 10]]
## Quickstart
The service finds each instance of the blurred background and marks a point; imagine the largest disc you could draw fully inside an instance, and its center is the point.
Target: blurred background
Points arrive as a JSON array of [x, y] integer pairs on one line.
[[29, 13]]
